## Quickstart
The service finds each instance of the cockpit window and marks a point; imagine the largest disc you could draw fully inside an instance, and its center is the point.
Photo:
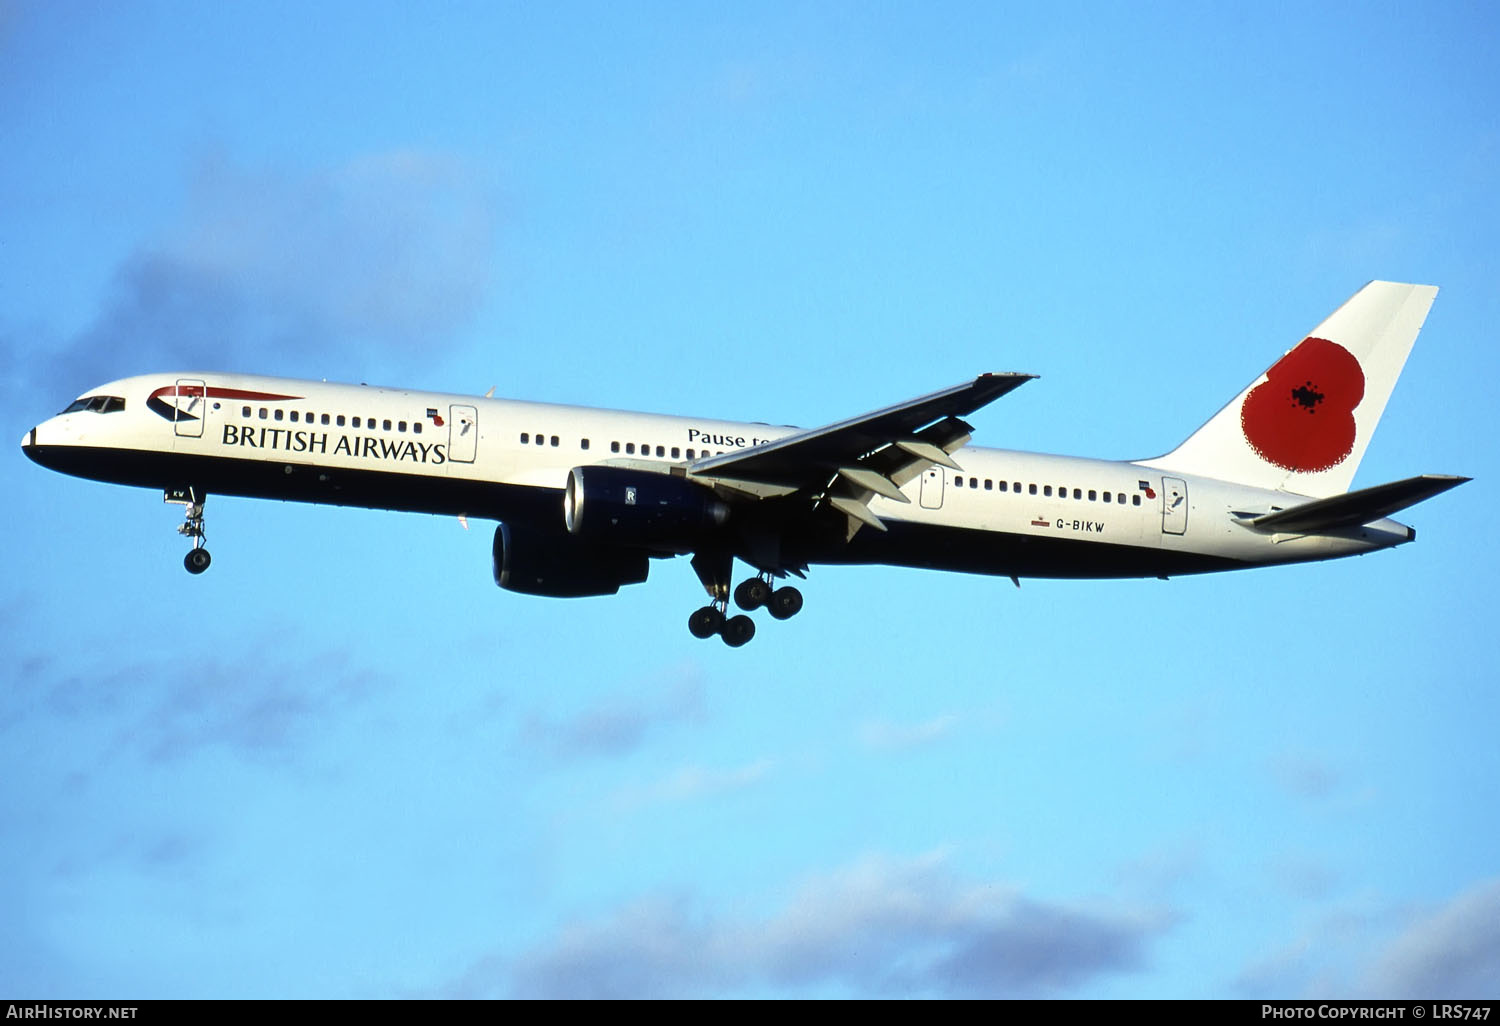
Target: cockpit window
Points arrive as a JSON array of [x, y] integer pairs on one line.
[[97, 404]]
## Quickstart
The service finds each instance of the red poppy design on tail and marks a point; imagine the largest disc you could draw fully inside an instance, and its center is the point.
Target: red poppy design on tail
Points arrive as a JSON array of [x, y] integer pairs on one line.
[[1301, 417]]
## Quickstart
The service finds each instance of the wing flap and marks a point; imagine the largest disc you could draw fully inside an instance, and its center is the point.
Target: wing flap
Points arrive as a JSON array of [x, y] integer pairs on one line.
[[842, 466], [886, 470]]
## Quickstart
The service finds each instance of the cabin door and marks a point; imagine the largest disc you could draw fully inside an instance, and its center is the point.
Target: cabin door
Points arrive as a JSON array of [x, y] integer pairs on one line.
[[189, 408], [932, 488], [463, 433], [1174, 505]]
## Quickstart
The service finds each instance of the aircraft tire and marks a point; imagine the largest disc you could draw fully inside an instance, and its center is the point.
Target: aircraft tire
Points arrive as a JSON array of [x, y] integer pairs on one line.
[[752, 594], [738, 630], [197, 560], [705, 622], [785, 603]]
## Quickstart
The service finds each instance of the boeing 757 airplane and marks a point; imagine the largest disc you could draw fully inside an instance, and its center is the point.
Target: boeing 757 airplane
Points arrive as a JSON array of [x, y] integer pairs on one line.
[[585, 498]]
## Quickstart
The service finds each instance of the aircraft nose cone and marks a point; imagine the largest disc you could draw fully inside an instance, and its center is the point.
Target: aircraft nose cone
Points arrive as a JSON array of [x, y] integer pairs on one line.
[[28, 442]]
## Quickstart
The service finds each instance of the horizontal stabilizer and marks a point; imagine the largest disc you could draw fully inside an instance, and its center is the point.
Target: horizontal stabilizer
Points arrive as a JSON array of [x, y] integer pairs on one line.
[[1355, 508]]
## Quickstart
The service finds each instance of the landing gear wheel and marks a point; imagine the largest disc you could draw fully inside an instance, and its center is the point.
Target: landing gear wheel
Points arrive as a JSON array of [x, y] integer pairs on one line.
[[705, 622], [197, 561], [785, 603], [752, 594], [738, 630]]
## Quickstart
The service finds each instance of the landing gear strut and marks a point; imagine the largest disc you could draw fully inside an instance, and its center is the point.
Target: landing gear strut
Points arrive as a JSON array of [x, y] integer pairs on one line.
[[197, 559], [714, 569]]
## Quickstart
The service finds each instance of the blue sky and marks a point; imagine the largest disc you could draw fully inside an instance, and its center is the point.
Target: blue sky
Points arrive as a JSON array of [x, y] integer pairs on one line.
[[342, 763]]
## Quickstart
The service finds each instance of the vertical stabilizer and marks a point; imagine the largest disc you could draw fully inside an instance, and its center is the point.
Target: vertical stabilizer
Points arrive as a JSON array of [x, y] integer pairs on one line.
[[1304, 425]]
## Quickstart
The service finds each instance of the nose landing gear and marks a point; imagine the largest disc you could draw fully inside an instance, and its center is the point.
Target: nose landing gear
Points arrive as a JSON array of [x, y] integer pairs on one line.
[[197, 559]]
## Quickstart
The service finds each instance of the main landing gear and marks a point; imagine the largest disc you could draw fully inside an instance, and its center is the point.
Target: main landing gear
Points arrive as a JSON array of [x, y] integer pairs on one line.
[[197, 559], [714, 570], [784, 603]]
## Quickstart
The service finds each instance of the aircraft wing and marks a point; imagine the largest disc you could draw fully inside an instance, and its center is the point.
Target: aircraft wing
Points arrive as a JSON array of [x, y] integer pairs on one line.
[[851, 461]]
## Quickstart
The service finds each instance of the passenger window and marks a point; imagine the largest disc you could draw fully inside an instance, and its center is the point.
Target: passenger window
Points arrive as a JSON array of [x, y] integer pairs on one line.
[[263, 413], [630, 448], [416, 427], [525, 437], [340, 420], [278, 415], [1106, 497], [401, 426], [1077, 493], [584, 444], [1031, 489], [554, 441], [356, 422], [1093, 496], [676, 452], [614, 446], [1122, 498], [385, 425], [325, 420], [958, 482], [244, 411], [989, 484], [1018, 487], [661, 450], [690, 455], [1135, 500], [1047, 491], [1003, 486]]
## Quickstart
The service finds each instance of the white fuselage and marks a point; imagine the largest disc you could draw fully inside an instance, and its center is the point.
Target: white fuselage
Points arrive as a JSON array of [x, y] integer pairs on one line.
[[1004, 512]]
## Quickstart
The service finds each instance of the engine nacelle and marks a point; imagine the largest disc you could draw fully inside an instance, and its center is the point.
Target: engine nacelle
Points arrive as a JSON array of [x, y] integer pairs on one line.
[[558, 565], [638, 507]]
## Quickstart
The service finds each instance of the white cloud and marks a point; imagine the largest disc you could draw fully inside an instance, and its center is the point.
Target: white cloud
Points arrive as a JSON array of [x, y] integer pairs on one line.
[[1452, 952], [618, 724], [1372, 949], [881, 926], [331, 272], [898, 736], [1305, 775], [693, 782]]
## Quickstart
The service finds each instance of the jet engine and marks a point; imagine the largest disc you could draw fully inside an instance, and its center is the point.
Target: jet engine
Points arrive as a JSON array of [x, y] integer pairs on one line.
[[636, 507], [558, 565]]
